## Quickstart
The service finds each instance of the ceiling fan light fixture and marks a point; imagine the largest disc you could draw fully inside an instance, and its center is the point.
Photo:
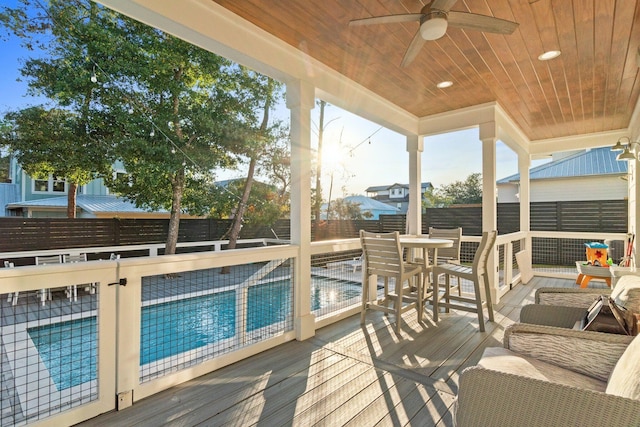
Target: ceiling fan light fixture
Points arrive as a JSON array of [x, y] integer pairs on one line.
[[444, 84], [434, 26], [550, 54]]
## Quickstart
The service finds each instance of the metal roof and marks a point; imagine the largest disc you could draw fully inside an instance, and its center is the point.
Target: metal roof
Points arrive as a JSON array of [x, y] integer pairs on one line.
[[597, 161], [89, 203], [367, 203]]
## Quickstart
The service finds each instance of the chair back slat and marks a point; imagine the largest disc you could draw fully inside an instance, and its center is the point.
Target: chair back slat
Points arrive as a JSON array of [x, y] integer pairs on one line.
[[451, 254], [74, 258], [48, 259]]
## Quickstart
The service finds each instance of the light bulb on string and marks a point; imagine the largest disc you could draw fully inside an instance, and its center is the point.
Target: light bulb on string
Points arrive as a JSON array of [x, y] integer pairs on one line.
[[94, 78], [130, 110], [152, 133], [173, 150]]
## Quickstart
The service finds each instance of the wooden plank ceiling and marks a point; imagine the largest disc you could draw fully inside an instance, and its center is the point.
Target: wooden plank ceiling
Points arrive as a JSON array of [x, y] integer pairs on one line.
[[592, 86]]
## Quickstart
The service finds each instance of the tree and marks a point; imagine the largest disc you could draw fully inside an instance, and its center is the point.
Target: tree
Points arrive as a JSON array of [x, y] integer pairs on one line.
[[63, 140], [258, 94], [167, 109], [344, 209], [456, 193], [55, 142]]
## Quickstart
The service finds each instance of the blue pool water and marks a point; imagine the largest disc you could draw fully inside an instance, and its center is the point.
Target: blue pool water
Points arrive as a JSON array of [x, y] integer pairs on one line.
[[69, 349]]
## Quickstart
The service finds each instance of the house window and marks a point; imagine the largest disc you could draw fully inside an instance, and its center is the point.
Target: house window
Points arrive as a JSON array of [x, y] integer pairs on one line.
[[53, 184]]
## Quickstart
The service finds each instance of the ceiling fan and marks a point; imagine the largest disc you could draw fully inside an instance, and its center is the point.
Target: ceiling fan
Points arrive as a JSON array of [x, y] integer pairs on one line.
[[434, 19]]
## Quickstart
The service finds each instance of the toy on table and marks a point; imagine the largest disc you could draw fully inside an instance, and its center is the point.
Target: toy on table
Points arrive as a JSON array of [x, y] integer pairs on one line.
[[596, 266]]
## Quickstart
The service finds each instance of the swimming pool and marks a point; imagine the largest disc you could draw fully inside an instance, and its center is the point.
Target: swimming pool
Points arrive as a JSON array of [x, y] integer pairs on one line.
[[69, 349]]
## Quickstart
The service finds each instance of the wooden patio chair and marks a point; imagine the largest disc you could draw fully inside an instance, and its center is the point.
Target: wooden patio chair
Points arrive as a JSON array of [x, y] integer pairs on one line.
[[45, 294], [67, 258], [383, 257], [448, 255], [12, 297], [477, 274]]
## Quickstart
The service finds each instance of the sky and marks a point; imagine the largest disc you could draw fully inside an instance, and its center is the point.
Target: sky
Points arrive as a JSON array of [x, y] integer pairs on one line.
[[357, 153]]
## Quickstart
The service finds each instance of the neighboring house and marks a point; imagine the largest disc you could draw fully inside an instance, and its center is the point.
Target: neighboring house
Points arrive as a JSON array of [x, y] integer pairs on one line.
[[396, 195], [367, 205], [47, 198], [593, 174], [9, 193]]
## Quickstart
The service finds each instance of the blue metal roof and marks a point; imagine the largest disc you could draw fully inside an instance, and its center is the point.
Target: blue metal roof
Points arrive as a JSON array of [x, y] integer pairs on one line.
[[89, 203], [597, 161]]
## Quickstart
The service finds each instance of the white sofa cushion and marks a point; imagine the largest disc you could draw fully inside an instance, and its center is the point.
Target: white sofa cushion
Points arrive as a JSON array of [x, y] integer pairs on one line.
[[625, 377], [503, 360]]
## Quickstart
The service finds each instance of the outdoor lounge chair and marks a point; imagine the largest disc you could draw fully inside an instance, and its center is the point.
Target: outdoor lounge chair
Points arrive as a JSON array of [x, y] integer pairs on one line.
[[548, 377], [383, 258], [477, 274], [563, 307], [354, 264]]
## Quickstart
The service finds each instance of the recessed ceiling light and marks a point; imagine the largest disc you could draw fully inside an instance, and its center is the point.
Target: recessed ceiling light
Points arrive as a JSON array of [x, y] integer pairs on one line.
[[549, 55], [445, 84]]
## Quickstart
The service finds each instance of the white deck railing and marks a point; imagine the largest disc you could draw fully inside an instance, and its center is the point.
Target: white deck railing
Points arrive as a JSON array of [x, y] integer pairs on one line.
[[152, 281]]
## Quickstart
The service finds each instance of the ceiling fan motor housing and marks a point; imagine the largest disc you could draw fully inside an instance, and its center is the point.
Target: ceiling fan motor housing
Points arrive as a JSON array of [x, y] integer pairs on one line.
[[433, 25]]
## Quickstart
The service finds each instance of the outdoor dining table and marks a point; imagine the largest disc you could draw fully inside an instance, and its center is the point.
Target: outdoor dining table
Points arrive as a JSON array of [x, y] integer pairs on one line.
[[425, 243]]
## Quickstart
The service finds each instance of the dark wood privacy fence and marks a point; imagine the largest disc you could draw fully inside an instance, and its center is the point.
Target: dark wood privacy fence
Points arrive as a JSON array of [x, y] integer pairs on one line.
[[22, 234]]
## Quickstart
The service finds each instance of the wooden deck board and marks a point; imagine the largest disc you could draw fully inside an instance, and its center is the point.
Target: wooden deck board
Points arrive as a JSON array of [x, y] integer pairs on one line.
[[346, 374]]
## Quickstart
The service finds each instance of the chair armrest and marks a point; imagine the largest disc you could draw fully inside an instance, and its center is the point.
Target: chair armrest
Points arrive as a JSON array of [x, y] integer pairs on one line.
[[552, 315], [580, 297], [492, 398], [590, 353]]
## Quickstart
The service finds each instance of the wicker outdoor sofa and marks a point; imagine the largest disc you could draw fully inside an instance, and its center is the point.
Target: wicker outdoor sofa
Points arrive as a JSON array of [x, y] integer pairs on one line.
[[563, 307], [549, 376]]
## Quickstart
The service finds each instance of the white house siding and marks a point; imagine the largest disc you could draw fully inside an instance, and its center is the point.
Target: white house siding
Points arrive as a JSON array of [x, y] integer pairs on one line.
[[507, 193], [569, 189]]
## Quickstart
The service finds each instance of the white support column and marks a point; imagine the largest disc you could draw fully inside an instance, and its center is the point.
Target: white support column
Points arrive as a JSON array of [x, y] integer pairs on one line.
[[488, 137], [524, 162], [415, 147], [300, 100]]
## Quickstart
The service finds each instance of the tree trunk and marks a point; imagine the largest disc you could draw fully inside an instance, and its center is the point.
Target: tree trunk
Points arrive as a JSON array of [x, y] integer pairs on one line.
[[174, 218], [71, 200], [236, 226]]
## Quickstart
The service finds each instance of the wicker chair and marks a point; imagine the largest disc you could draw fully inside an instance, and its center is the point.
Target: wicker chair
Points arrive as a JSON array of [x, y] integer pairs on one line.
[[547, 376], [563, 307]]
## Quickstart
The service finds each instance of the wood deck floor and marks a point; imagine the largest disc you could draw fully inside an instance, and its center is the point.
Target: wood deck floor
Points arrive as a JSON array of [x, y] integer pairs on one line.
[[345, 375]]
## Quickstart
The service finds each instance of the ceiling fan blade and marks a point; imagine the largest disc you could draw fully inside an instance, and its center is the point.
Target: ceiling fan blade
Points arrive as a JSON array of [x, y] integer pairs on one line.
[[473, 21], [445, 5], [412, 50], [387, 19]]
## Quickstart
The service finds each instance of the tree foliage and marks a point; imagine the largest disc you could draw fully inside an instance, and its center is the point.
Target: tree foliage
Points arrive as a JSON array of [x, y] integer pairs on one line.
[[464, 192], [344, 209]]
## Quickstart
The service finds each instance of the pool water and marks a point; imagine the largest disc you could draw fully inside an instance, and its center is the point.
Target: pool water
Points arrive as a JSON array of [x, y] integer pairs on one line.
[[69, 349]]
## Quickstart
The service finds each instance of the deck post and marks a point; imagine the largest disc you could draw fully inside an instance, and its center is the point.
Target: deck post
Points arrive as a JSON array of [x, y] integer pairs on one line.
[[300, 101], [415, 146]]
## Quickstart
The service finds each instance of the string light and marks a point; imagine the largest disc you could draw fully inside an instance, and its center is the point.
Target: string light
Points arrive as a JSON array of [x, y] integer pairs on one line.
[[152, 133]]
